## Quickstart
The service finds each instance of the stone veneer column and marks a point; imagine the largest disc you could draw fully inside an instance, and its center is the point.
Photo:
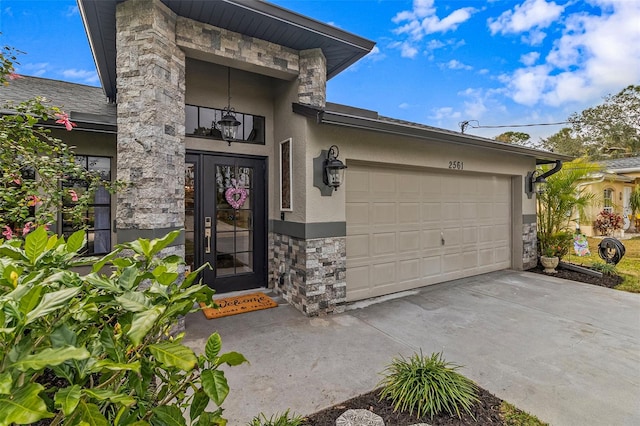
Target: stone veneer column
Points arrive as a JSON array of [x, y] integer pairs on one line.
[[529, 245], [151, 115], [312, 80], [315, 272]]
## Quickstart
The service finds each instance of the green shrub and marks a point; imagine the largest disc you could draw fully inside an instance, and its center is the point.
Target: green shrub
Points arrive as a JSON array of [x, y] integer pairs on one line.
[[96, 348], [557, 244], [428, 385], [605, 268], [277, 420]]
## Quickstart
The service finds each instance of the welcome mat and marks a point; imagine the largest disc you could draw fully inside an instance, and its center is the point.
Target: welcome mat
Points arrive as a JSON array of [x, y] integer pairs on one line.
[[239, 305]]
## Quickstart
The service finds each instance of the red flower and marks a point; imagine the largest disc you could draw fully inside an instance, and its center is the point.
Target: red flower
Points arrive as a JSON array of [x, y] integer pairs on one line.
[[14, 76], [74, 195], [63, 118], [7, 233], [27, 228], [34, 201]]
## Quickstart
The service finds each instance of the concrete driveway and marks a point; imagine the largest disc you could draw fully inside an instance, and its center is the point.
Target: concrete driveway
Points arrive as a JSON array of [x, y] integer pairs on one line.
[[567, 352]]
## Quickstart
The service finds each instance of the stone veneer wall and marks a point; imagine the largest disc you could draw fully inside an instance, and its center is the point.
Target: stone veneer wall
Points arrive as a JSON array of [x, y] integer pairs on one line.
[[312, 87], [529, 245], [151, 117], [204, 41], [313, 271]]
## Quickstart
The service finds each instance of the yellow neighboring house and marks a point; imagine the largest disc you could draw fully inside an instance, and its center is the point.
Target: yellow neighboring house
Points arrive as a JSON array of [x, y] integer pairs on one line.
[[612, 188]]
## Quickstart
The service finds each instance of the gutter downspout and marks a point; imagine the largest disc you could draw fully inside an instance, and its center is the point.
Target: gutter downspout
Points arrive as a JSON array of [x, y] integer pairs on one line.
[[553, 171], [532, 179]]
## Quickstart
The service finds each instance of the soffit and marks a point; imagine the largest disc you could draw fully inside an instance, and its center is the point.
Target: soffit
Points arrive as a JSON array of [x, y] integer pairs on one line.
[[254, 18]]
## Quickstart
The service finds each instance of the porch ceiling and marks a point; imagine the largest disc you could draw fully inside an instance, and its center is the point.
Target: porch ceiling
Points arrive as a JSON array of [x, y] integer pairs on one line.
[[254, 18]]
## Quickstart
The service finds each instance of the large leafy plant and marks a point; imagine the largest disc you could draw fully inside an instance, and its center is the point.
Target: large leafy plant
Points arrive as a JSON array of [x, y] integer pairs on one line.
[[564, 200], [98, 348]]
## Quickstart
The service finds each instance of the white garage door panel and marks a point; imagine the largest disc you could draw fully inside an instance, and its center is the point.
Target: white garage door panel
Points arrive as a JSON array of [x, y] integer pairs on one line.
[[397, 219]]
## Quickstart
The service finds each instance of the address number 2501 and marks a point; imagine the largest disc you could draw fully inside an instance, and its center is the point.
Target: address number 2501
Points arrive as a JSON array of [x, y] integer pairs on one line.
[[456, 165]]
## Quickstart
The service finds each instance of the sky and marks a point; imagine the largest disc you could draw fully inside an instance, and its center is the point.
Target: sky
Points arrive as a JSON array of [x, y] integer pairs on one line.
[[436, 62]]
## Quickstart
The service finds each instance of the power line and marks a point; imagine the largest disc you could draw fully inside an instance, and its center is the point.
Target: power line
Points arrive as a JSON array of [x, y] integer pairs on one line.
[[467, 123]]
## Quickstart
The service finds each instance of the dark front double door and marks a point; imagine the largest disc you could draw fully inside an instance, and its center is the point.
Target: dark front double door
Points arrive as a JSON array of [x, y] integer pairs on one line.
[[225, 220]]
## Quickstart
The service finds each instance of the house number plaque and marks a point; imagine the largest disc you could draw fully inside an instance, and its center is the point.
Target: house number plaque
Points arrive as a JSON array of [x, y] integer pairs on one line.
[[456, 165]]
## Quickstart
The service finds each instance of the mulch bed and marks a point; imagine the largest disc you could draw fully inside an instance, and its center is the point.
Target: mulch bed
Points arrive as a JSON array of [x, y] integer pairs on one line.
[[486, 412], [609, 281]]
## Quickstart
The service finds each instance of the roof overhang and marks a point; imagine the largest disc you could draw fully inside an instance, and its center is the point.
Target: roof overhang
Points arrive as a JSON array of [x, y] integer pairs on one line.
[[625, 170], [254, 18], [611, 177], [368, 121]]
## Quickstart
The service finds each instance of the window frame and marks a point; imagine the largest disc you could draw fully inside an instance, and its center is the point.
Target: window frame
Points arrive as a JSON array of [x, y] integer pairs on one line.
[[204, 129], [608, 200], [106, 205]]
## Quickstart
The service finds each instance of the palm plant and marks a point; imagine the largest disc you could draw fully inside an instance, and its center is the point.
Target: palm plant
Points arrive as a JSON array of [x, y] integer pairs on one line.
[[563, 198]]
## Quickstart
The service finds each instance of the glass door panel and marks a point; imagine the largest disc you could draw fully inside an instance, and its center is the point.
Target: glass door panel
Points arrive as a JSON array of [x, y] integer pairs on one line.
[[189, 214], [225, 220]]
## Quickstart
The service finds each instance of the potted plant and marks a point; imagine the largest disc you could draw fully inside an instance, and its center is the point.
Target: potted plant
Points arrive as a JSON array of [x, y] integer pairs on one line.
[[550, 259], [553, 248]]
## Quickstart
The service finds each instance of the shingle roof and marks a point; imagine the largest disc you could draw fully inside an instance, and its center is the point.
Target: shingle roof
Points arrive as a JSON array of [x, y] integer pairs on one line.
[[628, 163], [82, 103]]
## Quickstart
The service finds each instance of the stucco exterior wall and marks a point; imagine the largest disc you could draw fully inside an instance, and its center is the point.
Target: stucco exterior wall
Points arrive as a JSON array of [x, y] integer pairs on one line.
[[586, 222], [362, 145]]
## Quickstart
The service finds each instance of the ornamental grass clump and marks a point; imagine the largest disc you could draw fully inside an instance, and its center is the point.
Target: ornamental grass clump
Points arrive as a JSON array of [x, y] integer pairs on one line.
[[428, 386]]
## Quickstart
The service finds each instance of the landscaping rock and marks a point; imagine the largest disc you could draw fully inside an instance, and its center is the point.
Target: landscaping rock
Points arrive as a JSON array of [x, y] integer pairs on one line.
[[359, 417]]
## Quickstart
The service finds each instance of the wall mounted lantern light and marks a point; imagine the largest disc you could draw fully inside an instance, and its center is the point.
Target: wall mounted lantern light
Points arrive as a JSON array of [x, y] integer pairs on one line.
[[228, 123], [535, 182], [333, 169]]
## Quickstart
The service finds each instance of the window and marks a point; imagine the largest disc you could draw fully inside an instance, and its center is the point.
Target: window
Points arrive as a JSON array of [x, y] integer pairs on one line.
[[98, 214], [608, 200], [202, 122]]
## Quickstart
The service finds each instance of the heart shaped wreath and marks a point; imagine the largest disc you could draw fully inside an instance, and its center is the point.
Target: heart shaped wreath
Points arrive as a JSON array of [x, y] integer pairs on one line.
[[235, 196]]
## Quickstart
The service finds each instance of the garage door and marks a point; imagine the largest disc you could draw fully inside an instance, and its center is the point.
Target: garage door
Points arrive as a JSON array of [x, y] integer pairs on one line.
[[410, 228]]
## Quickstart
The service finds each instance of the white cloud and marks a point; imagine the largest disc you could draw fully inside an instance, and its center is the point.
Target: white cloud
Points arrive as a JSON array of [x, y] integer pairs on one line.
[[530, 58], [457, 65], [422, 20], [528, 84], [72, 11], [404, 105], [534, 37], [84, 76], [435, 44], [527, 16], [444, 113], [7, 11], [37, 69], [375, 54], [407, 50], [596, 55]]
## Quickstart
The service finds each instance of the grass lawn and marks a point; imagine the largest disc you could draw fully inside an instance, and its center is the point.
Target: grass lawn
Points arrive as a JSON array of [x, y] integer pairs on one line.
[[629, 266]]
